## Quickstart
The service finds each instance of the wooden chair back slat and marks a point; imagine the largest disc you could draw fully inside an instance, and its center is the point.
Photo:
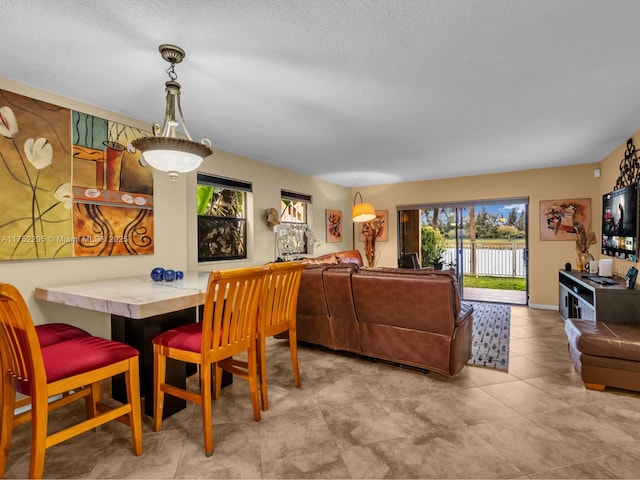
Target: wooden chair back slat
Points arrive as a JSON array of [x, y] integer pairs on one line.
[[21, 354], [230, 310], [280, 297]]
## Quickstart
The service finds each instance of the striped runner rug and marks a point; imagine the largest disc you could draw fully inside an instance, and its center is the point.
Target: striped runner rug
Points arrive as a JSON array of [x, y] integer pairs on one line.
[[490, 342]]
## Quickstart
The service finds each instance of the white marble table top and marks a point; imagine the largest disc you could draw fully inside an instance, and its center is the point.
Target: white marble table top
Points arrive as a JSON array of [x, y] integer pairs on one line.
[[133, 297]]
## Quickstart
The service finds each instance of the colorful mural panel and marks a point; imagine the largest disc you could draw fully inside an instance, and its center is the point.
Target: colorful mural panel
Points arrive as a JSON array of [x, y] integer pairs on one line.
[[73, 185]]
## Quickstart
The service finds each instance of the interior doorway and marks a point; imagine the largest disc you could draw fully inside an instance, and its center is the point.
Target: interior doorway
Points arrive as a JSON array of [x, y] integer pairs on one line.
[[485, 243]]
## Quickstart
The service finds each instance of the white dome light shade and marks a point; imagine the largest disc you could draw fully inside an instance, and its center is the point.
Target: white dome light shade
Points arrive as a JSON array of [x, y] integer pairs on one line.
[[173, 155]]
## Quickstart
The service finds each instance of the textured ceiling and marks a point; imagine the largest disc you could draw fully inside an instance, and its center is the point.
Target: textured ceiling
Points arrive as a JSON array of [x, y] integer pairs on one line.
[[357, 92]]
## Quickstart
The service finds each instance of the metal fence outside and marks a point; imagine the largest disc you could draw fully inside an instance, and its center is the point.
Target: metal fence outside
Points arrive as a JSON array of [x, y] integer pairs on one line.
[[504, 259]]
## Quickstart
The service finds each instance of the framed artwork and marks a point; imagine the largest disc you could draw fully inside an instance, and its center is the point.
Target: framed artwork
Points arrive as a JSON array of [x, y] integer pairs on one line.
[[334, 225], [379, 227], [562, 219], [73, 186]]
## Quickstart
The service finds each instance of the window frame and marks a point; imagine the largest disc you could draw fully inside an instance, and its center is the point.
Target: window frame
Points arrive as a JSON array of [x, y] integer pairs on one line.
[[231, 227], [297, 228]]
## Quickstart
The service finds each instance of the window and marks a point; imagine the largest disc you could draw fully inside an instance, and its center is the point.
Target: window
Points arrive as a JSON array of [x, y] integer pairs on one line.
[[293, 231], [293, 207], [222, 218]]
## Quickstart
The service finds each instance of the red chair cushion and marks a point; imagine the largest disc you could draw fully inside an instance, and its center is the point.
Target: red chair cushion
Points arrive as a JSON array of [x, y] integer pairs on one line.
[[51, 333], [188, 337], [79, 355]]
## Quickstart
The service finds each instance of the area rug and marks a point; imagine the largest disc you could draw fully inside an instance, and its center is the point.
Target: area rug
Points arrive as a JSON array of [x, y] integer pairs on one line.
[[490, 342]]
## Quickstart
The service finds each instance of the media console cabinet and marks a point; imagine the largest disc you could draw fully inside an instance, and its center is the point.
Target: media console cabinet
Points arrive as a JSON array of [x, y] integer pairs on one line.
[[583, 298]]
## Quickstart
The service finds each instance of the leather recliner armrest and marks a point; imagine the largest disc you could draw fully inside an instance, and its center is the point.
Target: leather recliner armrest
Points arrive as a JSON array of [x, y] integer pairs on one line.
[[466, 310]]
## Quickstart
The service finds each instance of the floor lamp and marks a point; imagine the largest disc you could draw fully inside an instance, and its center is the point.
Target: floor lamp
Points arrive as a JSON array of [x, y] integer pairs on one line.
[[360, 213]]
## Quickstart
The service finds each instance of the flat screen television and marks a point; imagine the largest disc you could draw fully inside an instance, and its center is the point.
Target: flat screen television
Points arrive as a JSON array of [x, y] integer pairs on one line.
[[620, 223]]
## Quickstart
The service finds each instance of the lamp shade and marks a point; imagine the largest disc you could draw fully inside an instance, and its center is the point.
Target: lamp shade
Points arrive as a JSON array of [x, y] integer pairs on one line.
[[173, 155], [363, 212]]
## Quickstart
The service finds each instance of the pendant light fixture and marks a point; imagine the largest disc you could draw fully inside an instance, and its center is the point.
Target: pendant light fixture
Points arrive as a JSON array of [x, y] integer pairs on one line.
[[166, 150]]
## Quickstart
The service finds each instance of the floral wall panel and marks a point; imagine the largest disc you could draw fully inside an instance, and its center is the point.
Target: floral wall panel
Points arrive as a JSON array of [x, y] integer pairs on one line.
[[35, 168], [76, 186]]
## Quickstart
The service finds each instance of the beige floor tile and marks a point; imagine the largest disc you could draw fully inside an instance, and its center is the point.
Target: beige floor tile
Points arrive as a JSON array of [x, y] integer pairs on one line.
[[397, 458], [586, 470], [462, 453], [322, 464], [479, 376], [521, 367], [524, 398], [294, 434], [360, 418], [528, 446]]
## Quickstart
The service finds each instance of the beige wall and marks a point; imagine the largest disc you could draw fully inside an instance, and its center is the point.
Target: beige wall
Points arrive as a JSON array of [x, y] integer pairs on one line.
[[610, 168], [175, 226], [545, 258], [175, 220]]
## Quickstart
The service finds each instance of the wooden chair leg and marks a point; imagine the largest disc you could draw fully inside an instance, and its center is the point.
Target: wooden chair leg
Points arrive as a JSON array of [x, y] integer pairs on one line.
[[159, 375], [205, 395], [262, 355], [6, 423], [253, 382], [91, 401], [293, 347], [39, 419], [218, 380], [132, 377]]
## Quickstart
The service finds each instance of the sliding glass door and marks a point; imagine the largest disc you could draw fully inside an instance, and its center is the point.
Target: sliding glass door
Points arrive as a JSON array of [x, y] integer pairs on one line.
[[460, 214], [483, 242]]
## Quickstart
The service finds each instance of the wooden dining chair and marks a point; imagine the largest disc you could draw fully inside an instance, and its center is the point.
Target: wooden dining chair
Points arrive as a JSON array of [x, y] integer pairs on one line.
[[228, 328], [277, 314], [69, 367]]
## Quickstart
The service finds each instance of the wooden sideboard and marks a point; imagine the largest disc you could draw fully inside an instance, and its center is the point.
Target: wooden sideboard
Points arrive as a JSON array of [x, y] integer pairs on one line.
[[581, 296]]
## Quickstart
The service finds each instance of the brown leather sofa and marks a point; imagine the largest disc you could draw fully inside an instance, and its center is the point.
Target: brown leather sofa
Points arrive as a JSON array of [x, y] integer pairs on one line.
[[605, 353], [411, 317], [346, 256]]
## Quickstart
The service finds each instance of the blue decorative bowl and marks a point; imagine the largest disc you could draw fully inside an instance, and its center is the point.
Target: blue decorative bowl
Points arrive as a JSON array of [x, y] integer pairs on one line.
[[179, 274], [157, 274], [169, 275]]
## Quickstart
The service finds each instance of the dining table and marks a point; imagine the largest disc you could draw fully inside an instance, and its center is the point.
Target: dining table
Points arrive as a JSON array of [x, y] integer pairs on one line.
[[140, 309]]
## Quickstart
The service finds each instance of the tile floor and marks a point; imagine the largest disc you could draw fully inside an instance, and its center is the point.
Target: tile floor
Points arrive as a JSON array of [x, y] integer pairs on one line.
[[513, 297], [355, 418]]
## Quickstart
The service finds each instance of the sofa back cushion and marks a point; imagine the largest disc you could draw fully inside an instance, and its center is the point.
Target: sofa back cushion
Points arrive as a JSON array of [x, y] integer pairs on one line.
[[350, 256], [329, 258], [456, 301], [417, 302], [311, 299], [342, 313]]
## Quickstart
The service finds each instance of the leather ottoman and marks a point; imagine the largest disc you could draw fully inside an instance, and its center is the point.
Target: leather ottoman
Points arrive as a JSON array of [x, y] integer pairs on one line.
[[605, 353]]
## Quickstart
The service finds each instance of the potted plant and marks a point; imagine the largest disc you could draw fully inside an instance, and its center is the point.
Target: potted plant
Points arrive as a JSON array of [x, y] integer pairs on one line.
[[433, 247]]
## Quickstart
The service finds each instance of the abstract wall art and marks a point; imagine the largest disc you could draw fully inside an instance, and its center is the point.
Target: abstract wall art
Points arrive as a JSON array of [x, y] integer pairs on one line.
[[73, 186], [334, 225]]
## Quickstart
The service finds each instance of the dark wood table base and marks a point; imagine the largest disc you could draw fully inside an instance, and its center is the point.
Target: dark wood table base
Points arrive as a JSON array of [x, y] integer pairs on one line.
[[139, 333]]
